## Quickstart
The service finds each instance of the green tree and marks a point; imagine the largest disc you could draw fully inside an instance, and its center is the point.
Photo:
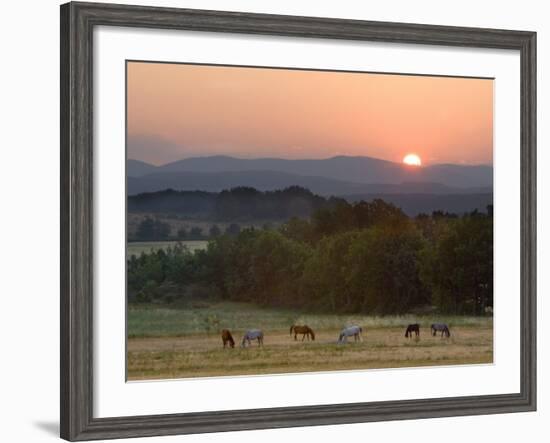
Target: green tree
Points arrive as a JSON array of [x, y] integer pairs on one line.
[[214, 231], [384, 274], [324, 283], [151, 229], [298, 229], [458, 266], [233, 229], [195, 233]]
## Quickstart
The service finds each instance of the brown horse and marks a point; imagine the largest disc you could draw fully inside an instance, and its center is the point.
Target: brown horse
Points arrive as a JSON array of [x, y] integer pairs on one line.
[[415, 327], [305, 330], [227, 338]]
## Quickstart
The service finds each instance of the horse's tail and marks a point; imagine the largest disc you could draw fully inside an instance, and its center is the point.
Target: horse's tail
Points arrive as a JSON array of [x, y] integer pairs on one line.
[[312, 333], [291, 328]]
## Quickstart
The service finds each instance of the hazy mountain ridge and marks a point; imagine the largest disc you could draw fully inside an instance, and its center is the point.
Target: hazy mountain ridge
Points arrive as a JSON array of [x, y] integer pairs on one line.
[[272, 180], [137, 168], [344, 174]]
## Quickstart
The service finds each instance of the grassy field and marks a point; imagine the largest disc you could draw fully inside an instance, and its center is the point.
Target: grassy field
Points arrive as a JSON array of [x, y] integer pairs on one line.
[[136, 248], [182, 341]]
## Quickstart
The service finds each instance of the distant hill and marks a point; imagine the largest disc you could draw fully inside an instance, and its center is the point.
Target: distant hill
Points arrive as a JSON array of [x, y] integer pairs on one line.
[[365, 170], [271, 180], [414, 204], [218, 181], [241, 203], [136, 168], [247, 203]]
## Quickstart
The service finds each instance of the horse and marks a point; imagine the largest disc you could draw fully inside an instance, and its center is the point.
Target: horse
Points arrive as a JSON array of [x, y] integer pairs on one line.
[[253, 334], [227, 338], [440, 327], [305, 330], [348, 332], [415, 327]]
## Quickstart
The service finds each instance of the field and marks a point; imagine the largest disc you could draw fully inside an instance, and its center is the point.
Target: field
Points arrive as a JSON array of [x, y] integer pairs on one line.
[[136, 248], [183, 341]]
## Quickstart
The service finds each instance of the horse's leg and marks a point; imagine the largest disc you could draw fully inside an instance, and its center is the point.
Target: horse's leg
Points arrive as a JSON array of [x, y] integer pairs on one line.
[[295, 335]]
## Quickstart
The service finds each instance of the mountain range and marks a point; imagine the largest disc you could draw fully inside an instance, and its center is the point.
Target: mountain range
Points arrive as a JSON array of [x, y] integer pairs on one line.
[[333, 176]]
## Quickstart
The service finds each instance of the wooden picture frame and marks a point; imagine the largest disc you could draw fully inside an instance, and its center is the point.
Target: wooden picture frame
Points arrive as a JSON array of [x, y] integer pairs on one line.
[[77, 23]]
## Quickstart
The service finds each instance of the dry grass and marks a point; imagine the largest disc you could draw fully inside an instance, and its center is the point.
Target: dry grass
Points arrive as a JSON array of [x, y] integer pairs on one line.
[[199, 355]]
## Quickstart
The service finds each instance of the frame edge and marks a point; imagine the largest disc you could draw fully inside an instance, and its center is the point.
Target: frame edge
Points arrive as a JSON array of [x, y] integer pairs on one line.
[[76, 378]]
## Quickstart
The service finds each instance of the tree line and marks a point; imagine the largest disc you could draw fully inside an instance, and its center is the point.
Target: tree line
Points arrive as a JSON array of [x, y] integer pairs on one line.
[[240, 203], [154, 229], [367, 257]]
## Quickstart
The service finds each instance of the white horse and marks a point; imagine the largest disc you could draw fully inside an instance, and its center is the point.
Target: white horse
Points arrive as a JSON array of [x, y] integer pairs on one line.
[[253, 334], [348, 332]]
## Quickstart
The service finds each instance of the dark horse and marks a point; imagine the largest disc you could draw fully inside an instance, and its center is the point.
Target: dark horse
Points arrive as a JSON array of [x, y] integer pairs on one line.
[[436, 327], [415, 327], [305, 330], [227, 338]]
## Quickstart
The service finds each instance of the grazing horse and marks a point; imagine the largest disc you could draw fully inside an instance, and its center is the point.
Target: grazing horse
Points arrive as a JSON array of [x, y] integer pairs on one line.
[[415, 327], [440, 327], [305, 330], [253, 334], [227, 338], [348, 332]]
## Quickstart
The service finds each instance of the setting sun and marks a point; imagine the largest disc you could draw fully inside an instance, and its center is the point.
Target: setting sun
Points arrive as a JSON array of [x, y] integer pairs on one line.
[[412, 159]]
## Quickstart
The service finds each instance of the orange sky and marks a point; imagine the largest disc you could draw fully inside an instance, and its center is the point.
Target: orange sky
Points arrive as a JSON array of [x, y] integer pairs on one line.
[[177, 111]]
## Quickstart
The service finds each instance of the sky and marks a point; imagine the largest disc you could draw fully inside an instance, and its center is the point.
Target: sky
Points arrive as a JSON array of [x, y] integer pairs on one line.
[[177, 111]]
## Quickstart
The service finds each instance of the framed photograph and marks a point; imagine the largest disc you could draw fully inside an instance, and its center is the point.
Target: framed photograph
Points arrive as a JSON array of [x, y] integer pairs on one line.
[[272, 221]]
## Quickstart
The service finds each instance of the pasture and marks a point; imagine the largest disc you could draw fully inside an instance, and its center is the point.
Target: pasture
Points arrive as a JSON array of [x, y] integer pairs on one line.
[[182, 340]]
